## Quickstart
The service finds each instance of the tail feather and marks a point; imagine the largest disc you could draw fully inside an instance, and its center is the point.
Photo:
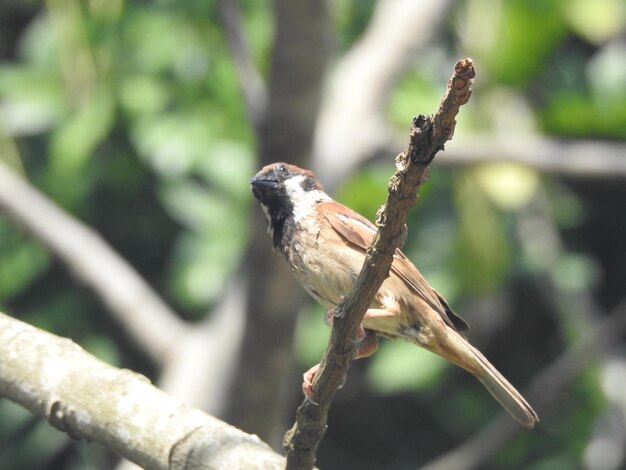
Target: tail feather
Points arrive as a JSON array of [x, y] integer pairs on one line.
[[457, 350], [501, 389]]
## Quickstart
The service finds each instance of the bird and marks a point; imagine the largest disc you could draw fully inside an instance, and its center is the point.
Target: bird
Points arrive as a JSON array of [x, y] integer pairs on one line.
[[324, 243]]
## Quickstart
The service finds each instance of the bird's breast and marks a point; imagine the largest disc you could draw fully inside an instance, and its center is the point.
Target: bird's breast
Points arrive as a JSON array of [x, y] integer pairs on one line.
[[322, 263]]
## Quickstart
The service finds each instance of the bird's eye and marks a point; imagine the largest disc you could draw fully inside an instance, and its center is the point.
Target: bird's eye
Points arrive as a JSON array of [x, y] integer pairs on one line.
[[282, 168]]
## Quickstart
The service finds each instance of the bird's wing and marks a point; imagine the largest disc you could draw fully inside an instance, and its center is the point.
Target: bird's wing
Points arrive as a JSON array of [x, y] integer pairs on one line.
[[358, 231]]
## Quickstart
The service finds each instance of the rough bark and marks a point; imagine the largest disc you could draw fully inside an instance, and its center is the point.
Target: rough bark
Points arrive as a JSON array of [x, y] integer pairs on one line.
[[93, 401]]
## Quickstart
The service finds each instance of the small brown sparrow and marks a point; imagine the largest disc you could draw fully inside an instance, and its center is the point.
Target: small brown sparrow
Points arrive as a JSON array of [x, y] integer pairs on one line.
[[324, 242]]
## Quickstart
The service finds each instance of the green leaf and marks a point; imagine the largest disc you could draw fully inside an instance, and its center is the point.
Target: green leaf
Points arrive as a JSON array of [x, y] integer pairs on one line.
[[21, 261], [519, 55], [596, 20], [173, 143], [311, 334], [482, 251], [143, 95], [366, 191], [201, 263], [575, 272], [228, 166], [73, 143], [399, 366], [509, 185], [31, 99]]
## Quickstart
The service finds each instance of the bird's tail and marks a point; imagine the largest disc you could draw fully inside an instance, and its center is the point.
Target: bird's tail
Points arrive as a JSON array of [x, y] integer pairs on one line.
[[504, 392], [457, 350]]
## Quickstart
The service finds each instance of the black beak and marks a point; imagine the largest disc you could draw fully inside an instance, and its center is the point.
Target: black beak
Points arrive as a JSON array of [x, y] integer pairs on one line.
[[262, 185], [262, 182]]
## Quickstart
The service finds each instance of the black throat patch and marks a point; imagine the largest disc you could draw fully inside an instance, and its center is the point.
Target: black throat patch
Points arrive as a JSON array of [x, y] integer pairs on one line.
[[281, 222]]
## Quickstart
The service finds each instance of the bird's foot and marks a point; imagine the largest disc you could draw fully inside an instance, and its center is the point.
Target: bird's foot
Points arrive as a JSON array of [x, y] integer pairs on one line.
[[368, 344], [329, 319], [307, 382]]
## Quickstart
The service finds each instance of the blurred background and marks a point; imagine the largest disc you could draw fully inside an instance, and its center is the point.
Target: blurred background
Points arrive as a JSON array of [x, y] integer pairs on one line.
[[145, 120]]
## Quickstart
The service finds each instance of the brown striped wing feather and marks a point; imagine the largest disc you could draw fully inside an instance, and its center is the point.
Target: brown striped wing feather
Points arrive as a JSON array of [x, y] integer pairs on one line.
[[359, 232]]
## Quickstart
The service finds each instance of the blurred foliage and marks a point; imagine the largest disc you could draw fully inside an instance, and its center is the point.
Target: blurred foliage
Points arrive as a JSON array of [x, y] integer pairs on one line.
[[132, 80], [128, 114]]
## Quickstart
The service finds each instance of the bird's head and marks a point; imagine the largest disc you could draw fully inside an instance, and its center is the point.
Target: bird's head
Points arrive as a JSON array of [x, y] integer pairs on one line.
[[287, 193]]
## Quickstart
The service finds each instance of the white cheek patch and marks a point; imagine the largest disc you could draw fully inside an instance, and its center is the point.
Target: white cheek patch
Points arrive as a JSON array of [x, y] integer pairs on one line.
[[303, 201], [294, 188]]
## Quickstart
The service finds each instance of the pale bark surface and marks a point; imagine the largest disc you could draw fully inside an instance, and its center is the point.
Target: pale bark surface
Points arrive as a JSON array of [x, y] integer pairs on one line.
[[93, 401]]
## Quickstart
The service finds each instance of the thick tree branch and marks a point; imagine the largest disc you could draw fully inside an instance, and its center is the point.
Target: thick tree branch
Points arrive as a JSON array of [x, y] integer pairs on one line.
[[88, 399], [129, 298], [428, 135]]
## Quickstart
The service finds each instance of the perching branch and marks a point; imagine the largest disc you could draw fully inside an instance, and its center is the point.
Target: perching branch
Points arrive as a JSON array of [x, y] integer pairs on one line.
[[88, 399], [428, 135]]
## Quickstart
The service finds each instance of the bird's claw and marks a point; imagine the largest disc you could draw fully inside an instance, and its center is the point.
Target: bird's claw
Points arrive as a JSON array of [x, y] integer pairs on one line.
[[330, 314], [307, 383], [329, 317], [360, 334]]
